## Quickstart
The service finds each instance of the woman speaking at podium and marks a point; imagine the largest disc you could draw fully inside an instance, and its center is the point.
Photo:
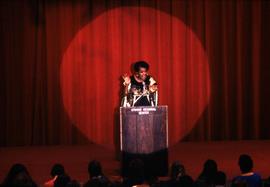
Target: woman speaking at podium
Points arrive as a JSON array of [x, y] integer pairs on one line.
[[140, 89], [143, 129]]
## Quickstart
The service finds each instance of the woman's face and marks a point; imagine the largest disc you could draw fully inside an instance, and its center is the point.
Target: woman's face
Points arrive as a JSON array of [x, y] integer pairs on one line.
[[142, 74]]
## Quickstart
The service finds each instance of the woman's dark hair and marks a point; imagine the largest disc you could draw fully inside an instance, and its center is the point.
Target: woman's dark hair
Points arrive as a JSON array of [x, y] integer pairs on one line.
[[140, 64], [15, 170], [245, 163], [209, 172], [210, 167], [18, 175]]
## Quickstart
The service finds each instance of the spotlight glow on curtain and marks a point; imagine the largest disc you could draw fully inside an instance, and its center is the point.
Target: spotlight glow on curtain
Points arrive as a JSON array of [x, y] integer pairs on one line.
[[104, 49]]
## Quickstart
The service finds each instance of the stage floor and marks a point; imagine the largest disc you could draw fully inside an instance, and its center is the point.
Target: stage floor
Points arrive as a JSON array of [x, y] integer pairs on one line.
[[39, 159]]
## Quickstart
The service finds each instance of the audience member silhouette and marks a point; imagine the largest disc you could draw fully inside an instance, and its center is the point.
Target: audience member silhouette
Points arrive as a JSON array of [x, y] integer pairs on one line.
[[177, 170], [267, 182], [208, 175], [247, 176], [185, 181], [96, 176], [220, 180], [18, 175], [135, 173], [73, 183], [56, 170], [62, 181]]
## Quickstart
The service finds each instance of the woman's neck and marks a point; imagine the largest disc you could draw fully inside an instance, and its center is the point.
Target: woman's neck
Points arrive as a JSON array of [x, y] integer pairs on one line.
[[138, 79]]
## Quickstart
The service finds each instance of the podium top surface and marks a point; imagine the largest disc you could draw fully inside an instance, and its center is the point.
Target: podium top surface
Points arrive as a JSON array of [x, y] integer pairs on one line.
[[144, 109], [161, 106]]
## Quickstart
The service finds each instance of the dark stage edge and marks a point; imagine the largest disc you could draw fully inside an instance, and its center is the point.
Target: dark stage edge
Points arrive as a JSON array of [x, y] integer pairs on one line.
[[39, 159]]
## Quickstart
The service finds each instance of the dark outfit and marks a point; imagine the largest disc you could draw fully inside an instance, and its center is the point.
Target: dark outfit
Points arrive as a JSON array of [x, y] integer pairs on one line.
[[100, 181], [140, 87], [251, 181]]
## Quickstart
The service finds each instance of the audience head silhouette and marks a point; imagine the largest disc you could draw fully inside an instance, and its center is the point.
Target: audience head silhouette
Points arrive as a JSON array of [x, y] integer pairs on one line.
[[96, 176], [57, 169], [177, 170], [210, 167], [18, 175], [245, 163], [94, 169]]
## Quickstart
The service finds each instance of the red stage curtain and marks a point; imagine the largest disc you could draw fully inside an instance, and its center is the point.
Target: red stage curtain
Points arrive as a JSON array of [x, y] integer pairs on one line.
[[61, 63]]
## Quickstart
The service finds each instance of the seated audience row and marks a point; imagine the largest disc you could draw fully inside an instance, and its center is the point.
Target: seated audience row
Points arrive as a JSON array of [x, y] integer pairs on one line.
[[210, 176]]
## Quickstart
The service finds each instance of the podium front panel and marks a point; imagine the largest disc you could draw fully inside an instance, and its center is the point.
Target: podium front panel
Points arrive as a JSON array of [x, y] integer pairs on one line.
[[144, 136], [143, 130]]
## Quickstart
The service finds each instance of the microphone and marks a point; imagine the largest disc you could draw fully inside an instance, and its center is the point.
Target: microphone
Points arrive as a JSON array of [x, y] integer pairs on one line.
[[144, 86]]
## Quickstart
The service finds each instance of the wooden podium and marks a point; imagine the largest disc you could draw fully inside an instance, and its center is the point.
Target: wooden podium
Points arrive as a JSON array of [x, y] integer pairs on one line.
[[144, 135]]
